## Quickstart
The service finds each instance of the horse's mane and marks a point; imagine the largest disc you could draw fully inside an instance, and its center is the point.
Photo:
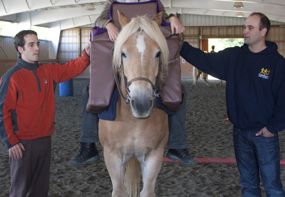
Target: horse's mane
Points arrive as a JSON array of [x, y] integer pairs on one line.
[[150, 27]]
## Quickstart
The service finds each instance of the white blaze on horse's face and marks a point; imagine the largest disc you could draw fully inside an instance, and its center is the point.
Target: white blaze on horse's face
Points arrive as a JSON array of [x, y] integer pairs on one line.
[[141, 46], [141, 65]]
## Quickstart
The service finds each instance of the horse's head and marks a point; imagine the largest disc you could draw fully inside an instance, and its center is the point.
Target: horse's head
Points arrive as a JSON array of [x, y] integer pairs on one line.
[[140, 58]]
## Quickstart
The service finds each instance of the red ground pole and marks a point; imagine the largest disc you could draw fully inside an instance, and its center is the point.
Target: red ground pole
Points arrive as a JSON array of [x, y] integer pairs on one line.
[[213, 160]]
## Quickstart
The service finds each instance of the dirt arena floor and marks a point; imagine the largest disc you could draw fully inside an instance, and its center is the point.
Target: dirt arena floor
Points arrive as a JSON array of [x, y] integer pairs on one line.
[[209, 136]]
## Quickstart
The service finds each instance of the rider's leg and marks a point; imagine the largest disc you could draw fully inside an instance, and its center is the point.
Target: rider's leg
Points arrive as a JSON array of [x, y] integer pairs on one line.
[[177, 143], [89, 136]]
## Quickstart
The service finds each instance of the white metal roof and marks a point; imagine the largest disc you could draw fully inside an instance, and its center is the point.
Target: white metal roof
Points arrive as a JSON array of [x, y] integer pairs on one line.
[[74, 13]]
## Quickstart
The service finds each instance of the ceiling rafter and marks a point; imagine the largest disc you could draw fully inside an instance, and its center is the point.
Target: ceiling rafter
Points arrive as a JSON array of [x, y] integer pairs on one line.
[[28, 5], [5, 9], [47, 13], [52, 3]]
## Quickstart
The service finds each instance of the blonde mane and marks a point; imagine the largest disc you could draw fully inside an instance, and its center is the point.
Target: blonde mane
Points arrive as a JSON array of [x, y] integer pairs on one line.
[[150, 27]]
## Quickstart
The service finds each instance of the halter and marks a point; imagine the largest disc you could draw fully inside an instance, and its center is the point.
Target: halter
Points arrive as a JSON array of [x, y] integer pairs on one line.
[[155, 87], [127, 98]]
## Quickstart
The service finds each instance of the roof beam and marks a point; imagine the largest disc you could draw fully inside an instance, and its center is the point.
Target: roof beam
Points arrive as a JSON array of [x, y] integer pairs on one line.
[[4, 7], [28, 5], [17, 6], [53, 15], [74, 22]]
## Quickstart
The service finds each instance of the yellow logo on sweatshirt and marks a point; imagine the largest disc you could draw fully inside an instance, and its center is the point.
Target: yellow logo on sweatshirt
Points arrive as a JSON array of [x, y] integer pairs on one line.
[[264, 73]]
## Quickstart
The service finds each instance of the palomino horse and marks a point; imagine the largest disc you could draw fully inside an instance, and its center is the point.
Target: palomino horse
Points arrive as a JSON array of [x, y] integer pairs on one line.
[[137, 137]]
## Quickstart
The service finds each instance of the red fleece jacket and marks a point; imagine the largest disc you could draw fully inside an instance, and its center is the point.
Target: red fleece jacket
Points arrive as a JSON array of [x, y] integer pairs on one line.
[[27, 104]]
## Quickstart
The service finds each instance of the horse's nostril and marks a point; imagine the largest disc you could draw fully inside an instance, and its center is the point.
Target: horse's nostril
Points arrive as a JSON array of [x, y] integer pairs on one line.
[[141, 105], [149, 104]]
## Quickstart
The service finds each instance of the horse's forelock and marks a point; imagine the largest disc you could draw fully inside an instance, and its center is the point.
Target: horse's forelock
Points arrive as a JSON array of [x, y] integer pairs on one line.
[[151, 28], [124, 34], [142, 23], [153, 31]]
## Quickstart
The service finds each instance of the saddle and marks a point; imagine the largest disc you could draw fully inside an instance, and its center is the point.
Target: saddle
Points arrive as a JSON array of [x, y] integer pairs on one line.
[[102, 82]]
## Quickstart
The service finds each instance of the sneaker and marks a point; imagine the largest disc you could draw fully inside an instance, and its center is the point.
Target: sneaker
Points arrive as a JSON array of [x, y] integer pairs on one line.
[[181, 156], [88, 154]]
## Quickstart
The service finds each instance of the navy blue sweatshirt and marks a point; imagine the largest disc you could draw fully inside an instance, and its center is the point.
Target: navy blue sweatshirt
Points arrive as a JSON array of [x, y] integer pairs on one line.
[[255, 88]]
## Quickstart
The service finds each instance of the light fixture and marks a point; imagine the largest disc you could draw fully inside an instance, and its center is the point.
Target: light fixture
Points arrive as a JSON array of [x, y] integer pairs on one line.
[[239, 14], [238, 4]]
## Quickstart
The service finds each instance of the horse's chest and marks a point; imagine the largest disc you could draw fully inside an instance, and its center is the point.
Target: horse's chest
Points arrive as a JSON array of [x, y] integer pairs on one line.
[[129, 136]]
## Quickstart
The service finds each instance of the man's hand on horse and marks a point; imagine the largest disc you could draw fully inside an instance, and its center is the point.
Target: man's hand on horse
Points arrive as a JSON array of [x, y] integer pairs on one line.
[[113, 31], [87, 49], [176, 25]]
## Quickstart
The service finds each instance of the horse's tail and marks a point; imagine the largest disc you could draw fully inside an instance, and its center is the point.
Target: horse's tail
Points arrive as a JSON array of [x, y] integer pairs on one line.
[[132, 177]]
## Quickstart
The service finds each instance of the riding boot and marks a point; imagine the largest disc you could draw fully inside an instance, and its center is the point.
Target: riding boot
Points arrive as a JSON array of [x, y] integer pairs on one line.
[[181, 156], [88, 154]]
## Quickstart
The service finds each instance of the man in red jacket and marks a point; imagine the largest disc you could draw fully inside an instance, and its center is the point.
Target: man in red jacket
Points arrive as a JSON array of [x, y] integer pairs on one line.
[[27, 113]]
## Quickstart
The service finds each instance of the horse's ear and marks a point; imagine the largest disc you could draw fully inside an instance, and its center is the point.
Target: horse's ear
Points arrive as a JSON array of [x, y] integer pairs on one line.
[[123, 19], [158, 17]]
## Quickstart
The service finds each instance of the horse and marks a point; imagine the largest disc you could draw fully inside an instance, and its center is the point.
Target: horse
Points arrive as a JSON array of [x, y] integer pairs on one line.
[[196, 76], [133, 144]]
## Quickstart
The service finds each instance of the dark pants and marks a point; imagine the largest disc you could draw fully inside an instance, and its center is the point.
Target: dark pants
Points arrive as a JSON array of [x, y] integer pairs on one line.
[[30, 175], [89, 124], [177, 132], [258, 156]]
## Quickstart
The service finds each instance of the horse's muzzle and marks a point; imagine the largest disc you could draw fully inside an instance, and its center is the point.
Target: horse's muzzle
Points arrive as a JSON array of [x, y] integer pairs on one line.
[[141, 106]]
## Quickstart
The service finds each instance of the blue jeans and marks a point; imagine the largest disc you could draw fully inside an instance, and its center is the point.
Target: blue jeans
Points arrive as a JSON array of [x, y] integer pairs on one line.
[[89, 124], [258, 156], [177, 132]]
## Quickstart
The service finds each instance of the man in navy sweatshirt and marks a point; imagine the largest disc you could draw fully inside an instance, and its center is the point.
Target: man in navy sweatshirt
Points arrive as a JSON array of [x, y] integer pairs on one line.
[[255, 94]]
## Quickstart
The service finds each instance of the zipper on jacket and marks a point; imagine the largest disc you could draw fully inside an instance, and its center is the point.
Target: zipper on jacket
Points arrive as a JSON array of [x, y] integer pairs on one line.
[[38, 80]]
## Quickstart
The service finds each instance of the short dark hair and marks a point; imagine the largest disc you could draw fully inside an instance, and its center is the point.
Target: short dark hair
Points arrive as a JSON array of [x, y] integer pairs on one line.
[[19, 38], [264, 21]]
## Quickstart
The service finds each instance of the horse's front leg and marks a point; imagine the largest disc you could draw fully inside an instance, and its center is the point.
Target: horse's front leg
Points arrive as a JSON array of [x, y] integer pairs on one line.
[[116, 171], [150, 170]]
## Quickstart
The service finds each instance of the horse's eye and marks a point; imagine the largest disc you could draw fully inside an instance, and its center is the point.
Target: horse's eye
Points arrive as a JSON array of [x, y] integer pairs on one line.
[[123, 55], [158, 54]]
